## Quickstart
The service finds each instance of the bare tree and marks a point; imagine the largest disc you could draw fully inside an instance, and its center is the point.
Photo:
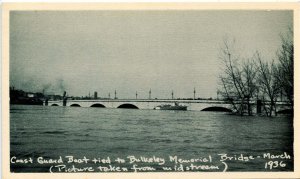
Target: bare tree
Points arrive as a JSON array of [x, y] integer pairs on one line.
[[237, 81], [285, 68], [249, 78], [243, 80], [268, 85]]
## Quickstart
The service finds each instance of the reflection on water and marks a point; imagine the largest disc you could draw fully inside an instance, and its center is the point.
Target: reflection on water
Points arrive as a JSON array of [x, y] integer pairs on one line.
[[99, 132]]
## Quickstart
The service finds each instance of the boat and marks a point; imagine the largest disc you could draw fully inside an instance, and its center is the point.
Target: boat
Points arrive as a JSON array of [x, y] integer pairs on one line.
[[171, 107]]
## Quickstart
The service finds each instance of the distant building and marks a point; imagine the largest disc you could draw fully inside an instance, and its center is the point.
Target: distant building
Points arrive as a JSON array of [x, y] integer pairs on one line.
[[95, 95], [25, 98]]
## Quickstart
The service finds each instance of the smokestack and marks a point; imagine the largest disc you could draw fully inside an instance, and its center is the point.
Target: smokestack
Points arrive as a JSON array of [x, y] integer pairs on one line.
[[95, 95], [65, 99]]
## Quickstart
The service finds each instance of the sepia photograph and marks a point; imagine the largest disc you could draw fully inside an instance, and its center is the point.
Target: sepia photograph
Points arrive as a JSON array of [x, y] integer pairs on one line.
[[151, 90]]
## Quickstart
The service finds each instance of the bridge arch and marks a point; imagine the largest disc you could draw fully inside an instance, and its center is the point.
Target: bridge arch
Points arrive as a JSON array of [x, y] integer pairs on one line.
[[75, 105], [98, 105], [217, 109], [285, 111], [128, 106], [54, 105]]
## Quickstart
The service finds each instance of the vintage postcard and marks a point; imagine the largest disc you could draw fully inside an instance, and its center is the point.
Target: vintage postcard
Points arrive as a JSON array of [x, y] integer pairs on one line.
[[150, 90]]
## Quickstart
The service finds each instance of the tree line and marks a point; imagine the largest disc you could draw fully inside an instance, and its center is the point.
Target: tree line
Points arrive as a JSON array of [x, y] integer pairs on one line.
[[245, 81]]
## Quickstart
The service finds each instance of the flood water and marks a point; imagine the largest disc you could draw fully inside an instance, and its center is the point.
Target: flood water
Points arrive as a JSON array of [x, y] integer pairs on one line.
[[51, 132]]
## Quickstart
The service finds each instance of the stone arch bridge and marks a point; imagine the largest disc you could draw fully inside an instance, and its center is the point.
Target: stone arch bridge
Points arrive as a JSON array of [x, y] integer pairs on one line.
[[195, 105], [198, 105]]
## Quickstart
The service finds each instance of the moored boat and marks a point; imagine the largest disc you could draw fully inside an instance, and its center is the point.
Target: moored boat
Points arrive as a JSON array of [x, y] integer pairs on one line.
[[170, 107]]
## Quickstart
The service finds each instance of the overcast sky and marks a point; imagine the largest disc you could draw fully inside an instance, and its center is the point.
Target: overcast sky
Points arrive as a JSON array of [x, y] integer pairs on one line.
[[87, 51]]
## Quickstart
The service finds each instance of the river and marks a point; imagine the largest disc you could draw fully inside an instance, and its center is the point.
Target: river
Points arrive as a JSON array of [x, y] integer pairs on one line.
[[52, 132]]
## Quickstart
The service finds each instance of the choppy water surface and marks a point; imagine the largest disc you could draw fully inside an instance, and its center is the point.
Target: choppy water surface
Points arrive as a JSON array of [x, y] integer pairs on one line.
[[98, 132]]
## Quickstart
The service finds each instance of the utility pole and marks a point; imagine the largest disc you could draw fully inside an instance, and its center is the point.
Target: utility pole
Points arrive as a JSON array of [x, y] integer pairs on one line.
[[65, 97], [194, 93], [150, 94], [95, 95]]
